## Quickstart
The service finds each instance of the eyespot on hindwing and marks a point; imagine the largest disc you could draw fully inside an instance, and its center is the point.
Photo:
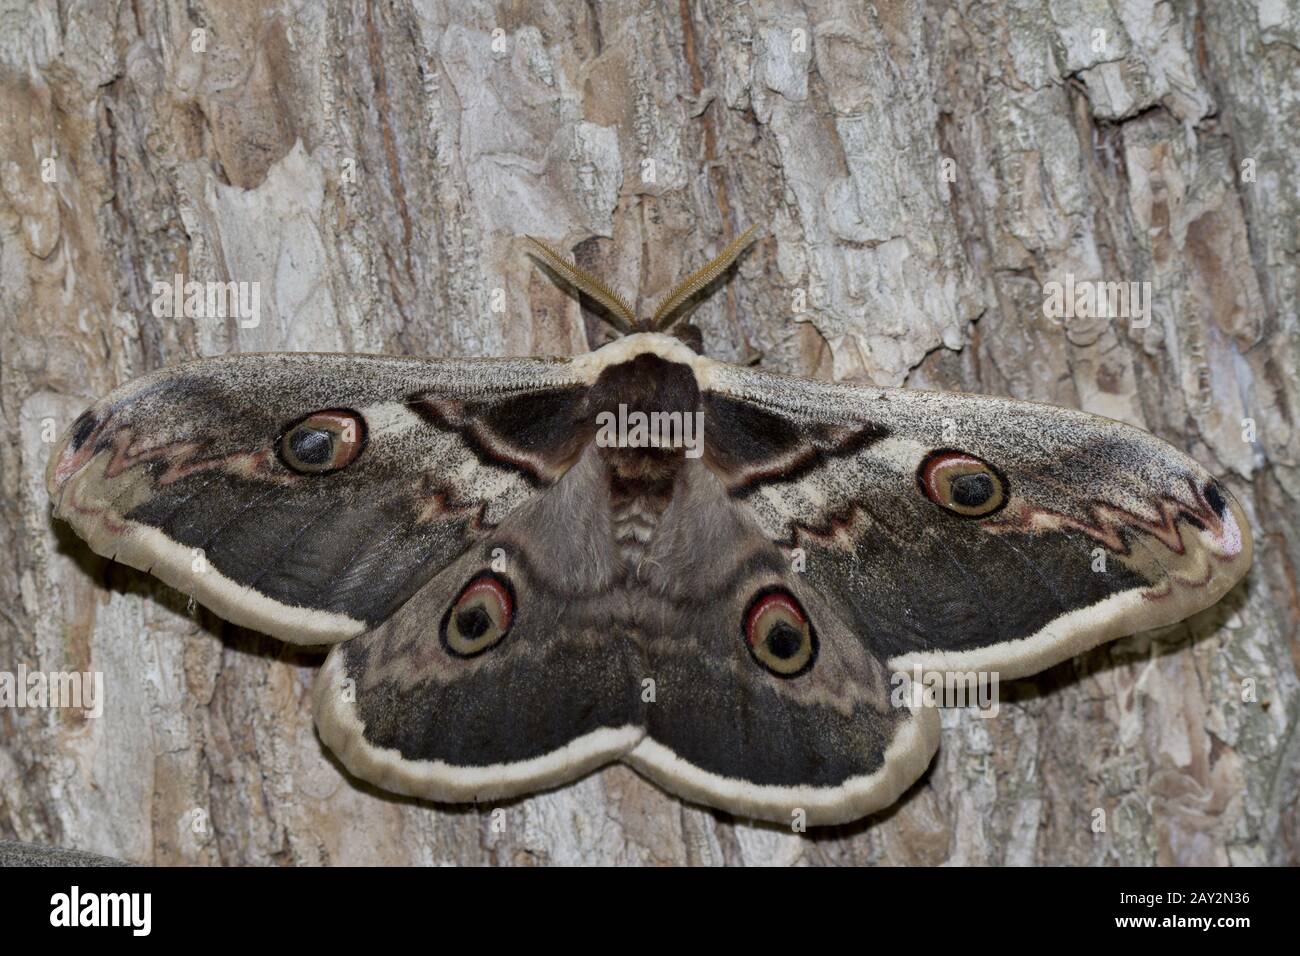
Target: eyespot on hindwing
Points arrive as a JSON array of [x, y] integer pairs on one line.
[[480, 617], [777, 632]]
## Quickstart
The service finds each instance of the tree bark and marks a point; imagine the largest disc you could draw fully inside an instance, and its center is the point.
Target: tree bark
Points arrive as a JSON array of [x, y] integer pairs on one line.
[[921, 171]]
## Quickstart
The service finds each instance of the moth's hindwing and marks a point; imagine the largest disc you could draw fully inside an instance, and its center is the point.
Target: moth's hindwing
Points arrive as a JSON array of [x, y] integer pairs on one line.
[[769, 704], [512, 669]]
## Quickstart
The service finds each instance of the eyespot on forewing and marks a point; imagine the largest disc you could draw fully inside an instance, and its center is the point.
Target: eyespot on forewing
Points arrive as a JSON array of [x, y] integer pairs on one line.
[[322, 442], [963, 484]]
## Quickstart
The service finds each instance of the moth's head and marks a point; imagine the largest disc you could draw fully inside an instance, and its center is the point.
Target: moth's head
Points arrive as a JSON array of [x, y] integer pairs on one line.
[[668, 316]]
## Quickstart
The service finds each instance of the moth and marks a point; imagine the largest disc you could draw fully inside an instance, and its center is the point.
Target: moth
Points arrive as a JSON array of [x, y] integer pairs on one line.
[[516, 598]]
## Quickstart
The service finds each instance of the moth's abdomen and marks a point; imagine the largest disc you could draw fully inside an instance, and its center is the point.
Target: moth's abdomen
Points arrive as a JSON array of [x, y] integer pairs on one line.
[[636, 507]]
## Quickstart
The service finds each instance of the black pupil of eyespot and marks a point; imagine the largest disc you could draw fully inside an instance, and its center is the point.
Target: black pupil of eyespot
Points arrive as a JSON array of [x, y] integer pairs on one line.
[[312, 446], [971, 491], [784, 641], [473, 622]]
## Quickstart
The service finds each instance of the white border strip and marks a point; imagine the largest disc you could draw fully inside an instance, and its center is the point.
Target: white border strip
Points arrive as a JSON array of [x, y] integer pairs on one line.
[[342, 732], [904, 760], [148, 549]]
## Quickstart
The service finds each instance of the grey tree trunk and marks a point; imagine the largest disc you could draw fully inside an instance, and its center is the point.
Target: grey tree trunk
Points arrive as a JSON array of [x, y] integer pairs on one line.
[[922, 171]]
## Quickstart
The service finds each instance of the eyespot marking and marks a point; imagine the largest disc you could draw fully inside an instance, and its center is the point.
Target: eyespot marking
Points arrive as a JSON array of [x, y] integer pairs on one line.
[[480, 617], [962, 484], [323, 441], [778, 633]]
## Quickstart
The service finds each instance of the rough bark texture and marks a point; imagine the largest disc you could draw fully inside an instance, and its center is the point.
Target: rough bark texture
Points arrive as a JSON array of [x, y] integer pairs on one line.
[[374, 165]]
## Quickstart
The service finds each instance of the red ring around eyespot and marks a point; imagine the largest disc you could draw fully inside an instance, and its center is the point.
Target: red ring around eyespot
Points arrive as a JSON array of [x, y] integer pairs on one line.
[[938, 460], [490, 584], [779, 598]]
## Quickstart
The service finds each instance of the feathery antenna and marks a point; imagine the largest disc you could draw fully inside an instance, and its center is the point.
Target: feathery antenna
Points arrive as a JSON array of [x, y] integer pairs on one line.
[[698, 279], [620, 313]]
